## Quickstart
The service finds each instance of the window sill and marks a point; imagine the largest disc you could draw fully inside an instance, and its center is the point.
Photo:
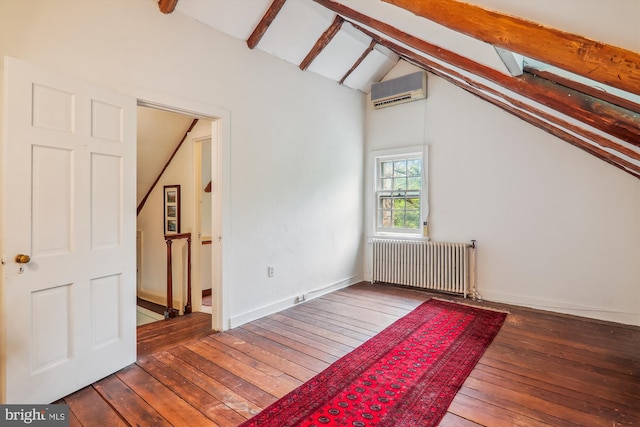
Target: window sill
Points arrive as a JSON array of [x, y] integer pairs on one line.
[[397, 236]]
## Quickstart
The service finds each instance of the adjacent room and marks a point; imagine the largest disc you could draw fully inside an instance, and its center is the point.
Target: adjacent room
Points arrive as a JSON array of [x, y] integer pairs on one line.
[[300, 175]]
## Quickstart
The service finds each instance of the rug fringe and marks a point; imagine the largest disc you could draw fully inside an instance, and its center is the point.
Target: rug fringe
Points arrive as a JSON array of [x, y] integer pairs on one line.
[[472, 305]]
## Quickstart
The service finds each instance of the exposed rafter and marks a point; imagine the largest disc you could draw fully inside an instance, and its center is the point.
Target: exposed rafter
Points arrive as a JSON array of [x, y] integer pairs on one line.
[[322, 42], [598, 61], [592, 111], [605, 124], [552, 124], [601, 115], [589, 90], [264, 23], [167, 6], [366, 52]]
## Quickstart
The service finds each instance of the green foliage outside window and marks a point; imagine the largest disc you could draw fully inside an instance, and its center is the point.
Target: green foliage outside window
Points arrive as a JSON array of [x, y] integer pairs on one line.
[[399, 188]]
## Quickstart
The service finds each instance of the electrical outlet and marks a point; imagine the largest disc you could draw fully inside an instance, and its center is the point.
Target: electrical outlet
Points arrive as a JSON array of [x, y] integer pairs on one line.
[[271, 270]]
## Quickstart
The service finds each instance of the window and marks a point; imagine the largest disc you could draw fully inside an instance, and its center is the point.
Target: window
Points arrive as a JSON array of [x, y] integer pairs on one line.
[[399, 193]]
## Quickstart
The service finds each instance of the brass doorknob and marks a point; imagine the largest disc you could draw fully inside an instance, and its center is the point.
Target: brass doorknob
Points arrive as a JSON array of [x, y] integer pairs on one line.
[[22, 259]]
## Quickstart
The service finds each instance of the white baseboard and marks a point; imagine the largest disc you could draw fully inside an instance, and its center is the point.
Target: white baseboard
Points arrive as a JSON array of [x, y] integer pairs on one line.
[[283, 304], [600, 313]]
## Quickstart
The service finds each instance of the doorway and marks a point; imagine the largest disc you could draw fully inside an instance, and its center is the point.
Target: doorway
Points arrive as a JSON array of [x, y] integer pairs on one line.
[[188, 162]]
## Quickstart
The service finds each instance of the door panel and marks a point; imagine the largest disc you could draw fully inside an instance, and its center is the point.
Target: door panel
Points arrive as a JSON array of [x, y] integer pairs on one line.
[[51, 204], [51, 338], [106, 204], [69, 203], [105, 305], [53, 109]]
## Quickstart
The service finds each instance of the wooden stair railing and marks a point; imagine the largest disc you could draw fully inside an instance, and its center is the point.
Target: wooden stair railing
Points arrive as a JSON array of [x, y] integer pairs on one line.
[[169, 238]]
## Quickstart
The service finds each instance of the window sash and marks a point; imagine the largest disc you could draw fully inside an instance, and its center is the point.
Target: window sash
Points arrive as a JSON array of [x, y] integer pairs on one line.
[[399, 194]]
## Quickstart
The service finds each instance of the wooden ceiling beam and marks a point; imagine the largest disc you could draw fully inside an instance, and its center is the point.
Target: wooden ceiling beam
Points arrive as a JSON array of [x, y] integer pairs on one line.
[[599, 114], [366, 52], [615, 121], [589, 90], [322, 42], [598, 61], [167, 6], [552, 124], [264, 23]]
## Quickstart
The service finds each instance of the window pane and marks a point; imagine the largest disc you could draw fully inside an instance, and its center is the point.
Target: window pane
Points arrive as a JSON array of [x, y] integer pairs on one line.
[[414, 183], [413, 203], [385, 219], [386, 169], [412, 219], [413, 167], [398, 203], [400, 184], [398, 219], [385, 203], [400, 167], [386, 183]]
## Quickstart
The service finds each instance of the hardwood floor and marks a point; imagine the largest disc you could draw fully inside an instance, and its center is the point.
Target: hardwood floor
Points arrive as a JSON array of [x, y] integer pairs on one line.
[[542, 369]]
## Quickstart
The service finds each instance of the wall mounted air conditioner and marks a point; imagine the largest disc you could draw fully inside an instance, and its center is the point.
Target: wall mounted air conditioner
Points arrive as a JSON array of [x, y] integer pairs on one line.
[[399, 90]]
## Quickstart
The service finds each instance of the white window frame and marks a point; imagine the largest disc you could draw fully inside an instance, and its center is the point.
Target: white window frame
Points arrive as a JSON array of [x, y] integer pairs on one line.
[[420, 152]]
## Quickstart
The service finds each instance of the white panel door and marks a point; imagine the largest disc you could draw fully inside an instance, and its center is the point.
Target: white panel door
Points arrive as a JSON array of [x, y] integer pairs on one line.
[[68, 203]]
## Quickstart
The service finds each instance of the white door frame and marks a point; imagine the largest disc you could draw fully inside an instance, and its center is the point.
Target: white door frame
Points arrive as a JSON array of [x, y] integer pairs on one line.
[[197, 247], [221, 221]]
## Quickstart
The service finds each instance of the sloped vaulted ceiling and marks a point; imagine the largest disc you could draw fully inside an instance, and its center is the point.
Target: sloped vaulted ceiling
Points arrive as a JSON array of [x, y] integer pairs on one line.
[[583, 91]]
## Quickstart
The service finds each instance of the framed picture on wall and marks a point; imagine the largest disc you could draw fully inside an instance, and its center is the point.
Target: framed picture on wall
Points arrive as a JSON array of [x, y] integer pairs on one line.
[[171, 209]]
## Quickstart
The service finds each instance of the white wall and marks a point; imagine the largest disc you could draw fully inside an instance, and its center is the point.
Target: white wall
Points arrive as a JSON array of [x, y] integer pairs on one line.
[[557, 229], [296, 160]]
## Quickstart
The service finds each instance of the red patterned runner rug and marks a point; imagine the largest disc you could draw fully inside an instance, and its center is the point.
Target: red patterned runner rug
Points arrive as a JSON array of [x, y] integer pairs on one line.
[[407, 375]]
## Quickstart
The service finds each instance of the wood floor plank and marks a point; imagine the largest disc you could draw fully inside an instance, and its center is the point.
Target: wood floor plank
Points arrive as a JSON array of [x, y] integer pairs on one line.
[[368, 305], [131, 407], [486, 414], [376, 320], [234, 345], [164, 334], [361, 326], [291, 341], [89, 408], [276, 383], [555, 405], [256, 395], [235, 401], [168, 404], [542, 369], [583, 354], [576, 378], [73, 420], [317, 329], [211, 407], [451, 420], [332, 324], [326, 345], [581, 408], [261, 342]]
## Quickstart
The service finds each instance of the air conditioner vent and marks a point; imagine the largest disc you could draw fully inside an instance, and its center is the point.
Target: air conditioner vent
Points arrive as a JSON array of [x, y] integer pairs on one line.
[[399, 90]]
